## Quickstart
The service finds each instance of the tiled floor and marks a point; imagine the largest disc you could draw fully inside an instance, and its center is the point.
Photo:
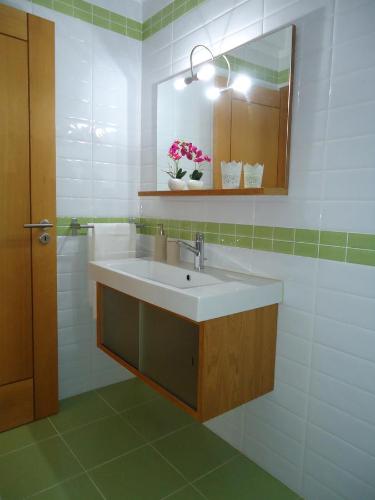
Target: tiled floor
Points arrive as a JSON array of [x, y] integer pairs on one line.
[[126, 442]]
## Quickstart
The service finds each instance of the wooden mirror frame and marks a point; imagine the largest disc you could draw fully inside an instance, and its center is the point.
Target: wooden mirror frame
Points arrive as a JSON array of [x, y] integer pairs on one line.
[[222, 140]]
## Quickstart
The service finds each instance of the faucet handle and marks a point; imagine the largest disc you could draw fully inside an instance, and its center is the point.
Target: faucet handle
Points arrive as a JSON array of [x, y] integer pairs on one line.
[[199, 236]]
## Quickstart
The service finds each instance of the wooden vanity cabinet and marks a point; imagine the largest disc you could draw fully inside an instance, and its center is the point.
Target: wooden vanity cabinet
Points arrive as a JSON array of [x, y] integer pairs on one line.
[[205, 368]]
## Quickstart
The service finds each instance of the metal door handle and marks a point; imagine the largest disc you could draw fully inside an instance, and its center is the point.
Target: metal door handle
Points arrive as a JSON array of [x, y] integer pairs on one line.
[[42, 224]]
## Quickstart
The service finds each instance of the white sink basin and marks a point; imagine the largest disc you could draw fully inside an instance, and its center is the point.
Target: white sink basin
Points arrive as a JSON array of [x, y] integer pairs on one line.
[[163, 273], [199, 296]]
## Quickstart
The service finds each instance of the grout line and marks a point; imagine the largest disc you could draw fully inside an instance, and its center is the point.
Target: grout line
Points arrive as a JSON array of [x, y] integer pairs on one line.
[[176, 469], [26, 446], [78, 460], [151, 445], [56, 484]]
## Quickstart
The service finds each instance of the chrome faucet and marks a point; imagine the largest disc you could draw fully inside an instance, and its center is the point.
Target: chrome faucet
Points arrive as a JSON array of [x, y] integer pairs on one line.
[[198, 250]]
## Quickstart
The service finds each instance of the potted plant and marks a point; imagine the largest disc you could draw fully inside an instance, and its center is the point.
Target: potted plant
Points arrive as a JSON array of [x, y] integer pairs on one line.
[[175, 183], [183, 149], [197, 156]]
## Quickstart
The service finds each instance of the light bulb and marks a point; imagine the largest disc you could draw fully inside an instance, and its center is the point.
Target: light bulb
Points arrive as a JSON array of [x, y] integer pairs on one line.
[[206, 72], [242, 84], [212, 93], [179, 84]]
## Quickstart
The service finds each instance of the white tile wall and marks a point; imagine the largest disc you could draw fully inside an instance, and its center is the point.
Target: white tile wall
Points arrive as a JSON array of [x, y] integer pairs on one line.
[[315, 431]]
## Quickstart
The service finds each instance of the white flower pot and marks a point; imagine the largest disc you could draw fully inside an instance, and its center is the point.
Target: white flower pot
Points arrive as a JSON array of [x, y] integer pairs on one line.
[[176, 184], [193, 184], [231, 174], [253, 175]]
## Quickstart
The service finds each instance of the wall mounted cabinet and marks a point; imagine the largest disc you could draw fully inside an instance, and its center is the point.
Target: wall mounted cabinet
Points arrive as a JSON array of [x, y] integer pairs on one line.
[[205, 368]]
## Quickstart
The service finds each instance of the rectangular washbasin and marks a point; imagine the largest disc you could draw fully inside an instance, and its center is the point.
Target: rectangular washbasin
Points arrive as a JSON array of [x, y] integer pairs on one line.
[[199, 296]]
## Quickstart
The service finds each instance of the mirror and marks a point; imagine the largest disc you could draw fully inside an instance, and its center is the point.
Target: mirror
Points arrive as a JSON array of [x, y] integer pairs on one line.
[[238, 120]]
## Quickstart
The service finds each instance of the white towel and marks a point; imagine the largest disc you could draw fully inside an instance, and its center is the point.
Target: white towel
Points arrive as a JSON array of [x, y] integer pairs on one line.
[[110, 242]]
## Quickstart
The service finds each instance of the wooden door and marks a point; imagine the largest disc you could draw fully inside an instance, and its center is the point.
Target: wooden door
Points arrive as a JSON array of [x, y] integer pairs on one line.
[[255, 137], [28, 357], [253, 130]]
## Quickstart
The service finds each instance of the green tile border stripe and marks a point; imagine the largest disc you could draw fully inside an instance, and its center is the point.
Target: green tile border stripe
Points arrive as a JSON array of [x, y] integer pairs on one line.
[[63, 223], [104, 18], [255, 70], [356, 248]]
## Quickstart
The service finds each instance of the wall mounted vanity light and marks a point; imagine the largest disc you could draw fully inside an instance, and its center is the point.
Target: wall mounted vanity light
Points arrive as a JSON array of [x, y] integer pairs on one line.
[[206, 72]]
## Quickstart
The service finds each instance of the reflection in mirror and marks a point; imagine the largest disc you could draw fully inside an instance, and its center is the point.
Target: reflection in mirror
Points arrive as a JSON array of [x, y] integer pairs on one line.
[[243, 128]]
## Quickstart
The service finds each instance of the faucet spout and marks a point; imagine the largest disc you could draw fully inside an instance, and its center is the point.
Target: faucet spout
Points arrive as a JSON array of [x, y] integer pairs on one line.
[[197, 250], [192, 249]]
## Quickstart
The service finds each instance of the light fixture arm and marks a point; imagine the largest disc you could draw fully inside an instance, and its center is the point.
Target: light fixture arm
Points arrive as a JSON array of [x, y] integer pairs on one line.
[[229, 69], [194, 77]]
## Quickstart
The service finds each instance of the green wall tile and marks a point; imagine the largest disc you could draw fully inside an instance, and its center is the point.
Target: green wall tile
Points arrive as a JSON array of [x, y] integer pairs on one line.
[[359, 240], [307, 235], [332, 253], [283, 246], [212, 227], [334, 238], [99, 11], [212, 238], [118, 28], [185, 224], [263, 232], [186, 235], [44, 3], [364, 257], [83, 15], [82, 5], [262, 244], [228, 229], [117, 18], [227, 240], [244, 242], [283, 233], [306, 249], [174, 233], [244, 230], [199, 227], [63, 7], [101, 22]]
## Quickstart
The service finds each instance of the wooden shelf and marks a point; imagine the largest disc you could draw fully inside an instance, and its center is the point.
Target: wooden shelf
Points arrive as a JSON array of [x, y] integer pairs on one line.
[[220, 192]]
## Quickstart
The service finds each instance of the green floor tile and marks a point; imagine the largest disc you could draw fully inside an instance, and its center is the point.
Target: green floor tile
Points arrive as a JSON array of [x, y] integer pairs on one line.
[[241, 479], [79, 488], [35, 468], [127, 394], [80, 410], [195, 450], [25, 435], [141, 475], [188, 493], [102, 440], [157, 418]]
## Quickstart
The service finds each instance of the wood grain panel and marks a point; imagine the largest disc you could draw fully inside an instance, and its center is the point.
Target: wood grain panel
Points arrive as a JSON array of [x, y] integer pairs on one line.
[[221, 131], [237, 357], [15, 258], [260, 95], [255, 137], [16, 404], [282, 172], [43, 202], [277, 191], [13, 22]]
